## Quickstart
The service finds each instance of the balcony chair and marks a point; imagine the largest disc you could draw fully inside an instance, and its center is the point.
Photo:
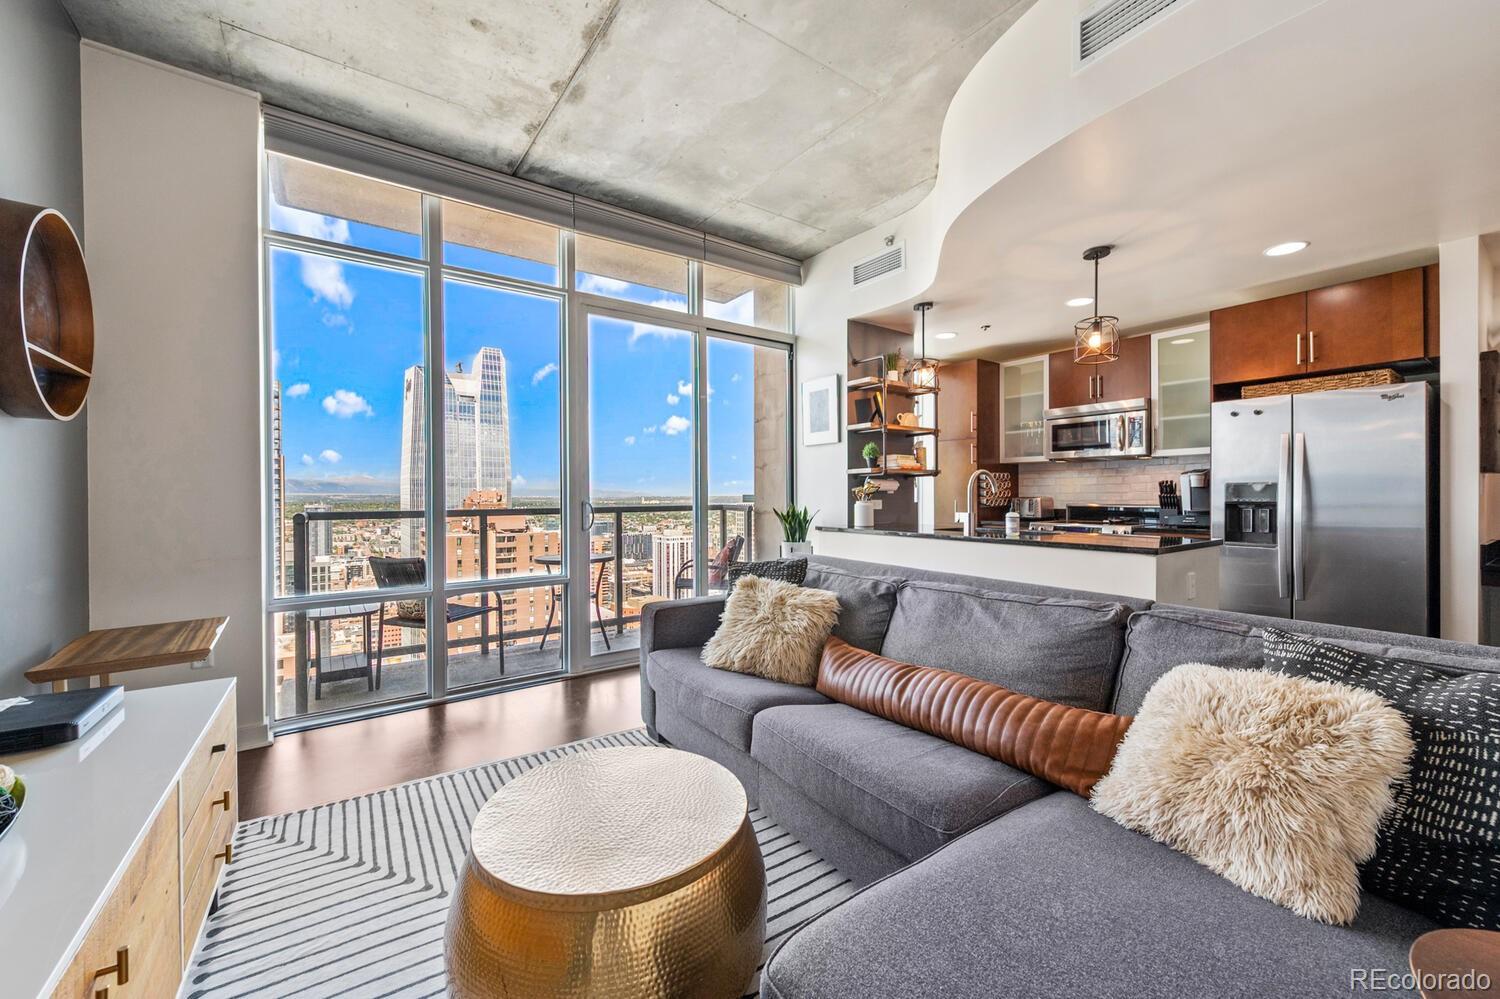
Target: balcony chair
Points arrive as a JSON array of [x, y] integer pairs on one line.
[[393, 572], [717, 569]]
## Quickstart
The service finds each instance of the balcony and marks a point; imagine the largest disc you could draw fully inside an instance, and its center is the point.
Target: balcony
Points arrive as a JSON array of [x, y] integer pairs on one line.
[[499, 635]]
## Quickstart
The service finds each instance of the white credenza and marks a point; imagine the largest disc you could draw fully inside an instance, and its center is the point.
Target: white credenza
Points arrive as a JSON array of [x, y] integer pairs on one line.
[[117, 854]]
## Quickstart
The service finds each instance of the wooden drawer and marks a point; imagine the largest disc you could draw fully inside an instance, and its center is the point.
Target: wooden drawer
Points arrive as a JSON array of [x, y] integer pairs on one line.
[[200, 828], [217, 744], [200, 878], [141, 916]]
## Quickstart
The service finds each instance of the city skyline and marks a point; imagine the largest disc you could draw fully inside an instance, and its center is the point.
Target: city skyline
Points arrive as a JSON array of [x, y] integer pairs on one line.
[[346, 333]]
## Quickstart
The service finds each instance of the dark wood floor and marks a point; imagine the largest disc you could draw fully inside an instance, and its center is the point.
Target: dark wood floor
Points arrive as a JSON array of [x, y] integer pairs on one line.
[[325, 764]]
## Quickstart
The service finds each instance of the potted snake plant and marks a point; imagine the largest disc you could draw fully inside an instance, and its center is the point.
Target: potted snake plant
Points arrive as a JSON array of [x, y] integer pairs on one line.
[[795, 523]]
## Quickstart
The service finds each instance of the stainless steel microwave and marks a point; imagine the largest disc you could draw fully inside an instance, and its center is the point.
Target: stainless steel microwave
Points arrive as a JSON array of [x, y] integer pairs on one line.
[[1099, 430]]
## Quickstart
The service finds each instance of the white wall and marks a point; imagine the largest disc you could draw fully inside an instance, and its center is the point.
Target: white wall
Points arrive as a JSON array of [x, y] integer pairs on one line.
[[43, 502], [170, 180]]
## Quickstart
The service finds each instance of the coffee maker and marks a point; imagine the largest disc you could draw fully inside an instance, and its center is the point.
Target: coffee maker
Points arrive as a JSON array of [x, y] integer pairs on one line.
[[1188, 505]]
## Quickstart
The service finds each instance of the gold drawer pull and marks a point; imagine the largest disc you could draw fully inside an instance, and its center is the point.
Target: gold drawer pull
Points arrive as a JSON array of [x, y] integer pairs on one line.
[[226, 854], [120, 969], [223, 800], [218, 747]]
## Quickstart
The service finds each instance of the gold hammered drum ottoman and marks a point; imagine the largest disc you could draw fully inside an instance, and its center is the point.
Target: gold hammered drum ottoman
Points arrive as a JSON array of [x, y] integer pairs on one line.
[[617, 872]]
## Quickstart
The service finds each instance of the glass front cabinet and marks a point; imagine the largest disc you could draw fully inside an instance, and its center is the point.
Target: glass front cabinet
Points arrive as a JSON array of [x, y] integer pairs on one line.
[[1180, 389], [1023, 399]]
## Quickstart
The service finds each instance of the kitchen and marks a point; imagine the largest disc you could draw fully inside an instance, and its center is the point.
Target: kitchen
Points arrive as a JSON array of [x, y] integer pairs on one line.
[[1278, 459]]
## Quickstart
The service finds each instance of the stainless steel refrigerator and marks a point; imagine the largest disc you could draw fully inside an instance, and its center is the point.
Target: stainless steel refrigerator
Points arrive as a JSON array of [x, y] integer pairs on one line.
[[1325, 503]]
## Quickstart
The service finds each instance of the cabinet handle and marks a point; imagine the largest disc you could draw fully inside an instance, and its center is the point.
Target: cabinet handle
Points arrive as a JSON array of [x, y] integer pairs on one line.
[[973, 454], [1101, 386], [226, 854], [223, 800], [1312, 347], [973, 421], [120, 969], [1299, 348]]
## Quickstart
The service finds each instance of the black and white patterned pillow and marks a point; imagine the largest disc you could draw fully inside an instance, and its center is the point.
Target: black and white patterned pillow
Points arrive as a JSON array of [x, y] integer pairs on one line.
[[788, 570], [1439, 849]]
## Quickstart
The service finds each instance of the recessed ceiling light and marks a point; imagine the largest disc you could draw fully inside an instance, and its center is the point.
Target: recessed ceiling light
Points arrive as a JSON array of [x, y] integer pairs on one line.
[[1078, 303], [944, 336], [1282, 249], [1183, 339]]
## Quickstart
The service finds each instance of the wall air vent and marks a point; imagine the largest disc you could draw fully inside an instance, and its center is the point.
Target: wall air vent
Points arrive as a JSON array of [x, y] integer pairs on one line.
[[886, 262], [1107, 23]]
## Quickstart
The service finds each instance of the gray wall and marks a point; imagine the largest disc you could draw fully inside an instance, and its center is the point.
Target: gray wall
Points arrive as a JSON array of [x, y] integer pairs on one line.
[[43, 464]]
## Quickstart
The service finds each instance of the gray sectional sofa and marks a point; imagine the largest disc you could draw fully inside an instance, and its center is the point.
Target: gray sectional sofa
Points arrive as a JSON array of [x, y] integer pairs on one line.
[[981, 880]]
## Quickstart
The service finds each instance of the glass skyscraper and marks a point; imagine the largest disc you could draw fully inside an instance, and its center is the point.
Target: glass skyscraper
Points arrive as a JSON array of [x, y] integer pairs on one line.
[[476, 431]]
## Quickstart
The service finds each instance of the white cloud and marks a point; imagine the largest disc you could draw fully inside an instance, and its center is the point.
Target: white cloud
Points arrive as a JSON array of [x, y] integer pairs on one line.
[[322, 276], [674, 425], [298, 390], [540, 373], [307, 459], [648, 430], [331, 456], [325, 279], [337, 320], [630, 440], [345, 404], [684, 388], [673, 398], [597, 284], [734, 377], [639, 331], [517, 481]]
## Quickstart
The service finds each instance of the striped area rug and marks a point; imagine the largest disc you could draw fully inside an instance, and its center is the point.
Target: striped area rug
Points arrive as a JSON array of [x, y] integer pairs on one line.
[[349, 899]]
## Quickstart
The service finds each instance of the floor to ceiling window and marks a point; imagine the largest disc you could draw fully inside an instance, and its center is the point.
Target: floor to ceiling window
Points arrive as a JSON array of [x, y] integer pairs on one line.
[[465, 386]]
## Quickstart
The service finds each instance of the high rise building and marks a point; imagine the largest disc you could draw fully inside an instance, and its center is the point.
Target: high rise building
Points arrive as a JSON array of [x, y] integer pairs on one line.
[[476, 433], [669, 553], [278, 494], [319, 532]]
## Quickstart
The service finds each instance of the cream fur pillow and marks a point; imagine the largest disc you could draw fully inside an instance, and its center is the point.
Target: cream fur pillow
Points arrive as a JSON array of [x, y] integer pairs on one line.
[[1275, 782], [773, 629]]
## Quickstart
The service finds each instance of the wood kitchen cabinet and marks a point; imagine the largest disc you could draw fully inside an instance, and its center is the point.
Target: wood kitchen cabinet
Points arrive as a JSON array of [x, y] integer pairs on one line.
[[1359, 324], [1258, 340], [1376, 321], [968, 403], [1072, 384]]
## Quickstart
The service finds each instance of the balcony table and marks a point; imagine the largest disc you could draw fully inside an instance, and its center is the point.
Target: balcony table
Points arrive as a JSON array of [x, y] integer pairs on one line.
[[555, 561]]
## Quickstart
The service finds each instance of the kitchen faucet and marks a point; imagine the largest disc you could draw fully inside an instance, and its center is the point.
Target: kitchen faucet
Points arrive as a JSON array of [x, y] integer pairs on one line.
[[982, 483]]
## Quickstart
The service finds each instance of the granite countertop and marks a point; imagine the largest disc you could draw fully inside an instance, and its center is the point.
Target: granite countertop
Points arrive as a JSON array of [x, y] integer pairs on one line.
[[1138, 544]]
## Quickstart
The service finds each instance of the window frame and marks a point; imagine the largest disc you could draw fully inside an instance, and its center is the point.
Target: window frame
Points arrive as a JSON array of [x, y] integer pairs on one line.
[[434, 272]]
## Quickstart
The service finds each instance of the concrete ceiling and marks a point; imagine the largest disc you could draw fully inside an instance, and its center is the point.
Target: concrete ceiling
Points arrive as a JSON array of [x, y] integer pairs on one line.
[[787, 124], [1367, 127]]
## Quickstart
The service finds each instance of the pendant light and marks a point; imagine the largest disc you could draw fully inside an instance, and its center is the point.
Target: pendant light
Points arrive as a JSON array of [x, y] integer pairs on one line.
[[923, 370], [1096, 340]]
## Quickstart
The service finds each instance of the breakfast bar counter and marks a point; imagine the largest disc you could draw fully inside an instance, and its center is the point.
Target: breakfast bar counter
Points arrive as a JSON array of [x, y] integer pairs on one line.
[[1171, 568]]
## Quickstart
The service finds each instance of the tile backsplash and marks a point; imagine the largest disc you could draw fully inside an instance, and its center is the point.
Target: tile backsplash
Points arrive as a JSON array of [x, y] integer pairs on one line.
[[1131, 481]]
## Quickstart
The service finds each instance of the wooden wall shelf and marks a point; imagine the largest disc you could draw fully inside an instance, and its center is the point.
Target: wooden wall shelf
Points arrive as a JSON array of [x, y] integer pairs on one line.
[[873, 383], [890, 428], [46, 315], [119, 650]]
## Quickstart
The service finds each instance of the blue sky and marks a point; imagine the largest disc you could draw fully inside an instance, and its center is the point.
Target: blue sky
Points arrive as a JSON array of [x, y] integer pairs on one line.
[[344, 333]]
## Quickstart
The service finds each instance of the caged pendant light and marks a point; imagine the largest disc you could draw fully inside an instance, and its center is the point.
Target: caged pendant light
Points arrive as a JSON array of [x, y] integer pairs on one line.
[[923, 370], [1096, 340]]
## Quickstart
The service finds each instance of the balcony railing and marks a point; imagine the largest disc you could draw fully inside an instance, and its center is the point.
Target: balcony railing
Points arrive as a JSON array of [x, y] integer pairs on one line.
[[480, 519]]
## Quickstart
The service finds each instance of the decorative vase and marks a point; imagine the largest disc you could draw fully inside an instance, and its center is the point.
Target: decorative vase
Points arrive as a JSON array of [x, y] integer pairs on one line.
[[791, 549], [864, 513]]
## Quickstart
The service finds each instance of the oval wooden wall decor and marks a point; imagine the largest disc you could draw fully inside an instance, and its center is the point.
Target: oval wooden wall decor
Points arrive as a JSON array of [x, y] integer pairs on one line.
[[46, 315]]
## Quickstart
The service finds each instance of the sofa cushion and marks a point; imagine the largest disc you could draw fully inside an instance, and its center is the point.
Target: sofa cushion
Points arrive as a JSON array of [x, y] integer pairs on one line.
[[773, 629], [1049, 647], [1054, 900], [865, 603], [1167, 635], [909, 791], [724, 703], [1438, 850], [1067, 746]]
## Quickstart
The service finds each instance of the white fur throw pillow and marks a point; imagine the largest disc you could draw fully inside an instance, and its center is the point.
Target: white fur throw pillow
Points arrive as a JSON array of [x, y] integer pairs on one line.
[[1275, 782], [773, 629]]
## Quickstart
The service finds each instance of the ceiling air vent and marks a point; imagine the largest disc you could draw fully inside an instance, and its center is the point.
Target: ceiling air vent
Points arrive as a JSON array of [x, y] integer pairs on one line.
[[1111, 21], [885, 262]]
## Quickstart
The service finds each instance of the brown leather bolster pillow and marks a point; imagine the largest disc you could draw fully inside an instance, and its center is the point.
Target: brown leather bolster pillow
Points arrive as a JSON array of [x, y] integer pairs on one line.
[[1070, 747]]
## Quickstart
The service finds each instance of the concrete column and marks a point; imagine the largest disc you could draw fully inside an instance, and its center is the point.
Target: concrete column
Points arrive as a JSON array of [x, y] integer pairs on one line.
[[1464, 283]]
